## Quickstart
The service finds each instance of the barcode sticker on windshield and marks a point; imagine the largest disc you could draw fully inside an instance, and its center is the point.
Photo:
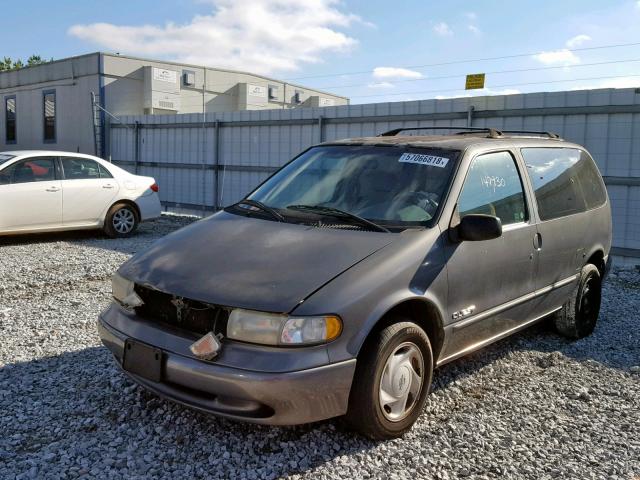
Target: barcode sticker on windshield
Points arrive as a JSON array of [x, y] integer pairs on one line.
[[429, 160]]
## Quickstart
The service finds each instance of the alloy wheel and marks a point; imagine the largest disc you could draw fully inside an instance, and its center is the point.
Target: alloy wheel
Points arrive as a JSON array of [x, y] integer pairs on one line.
[[123, 221]]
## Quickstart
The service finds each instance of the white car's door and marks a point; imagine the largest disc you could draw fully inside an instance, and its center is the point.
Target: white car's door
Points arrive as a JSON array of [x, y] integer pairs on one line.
[[30, 195], [88, 189]]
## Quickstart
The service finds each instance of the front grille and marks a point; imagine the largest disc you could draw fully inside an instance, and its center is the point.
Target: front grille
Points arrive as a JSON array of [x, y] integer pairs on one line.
[[188, 316]]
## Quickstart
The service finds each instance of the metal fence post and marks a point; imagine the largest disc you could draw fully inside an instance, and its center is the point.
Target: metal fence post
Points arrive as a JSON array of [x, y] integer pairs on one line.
[[321, 129], [216, 163], [470, 115], [93, 121], [107, 138], [136, 154]]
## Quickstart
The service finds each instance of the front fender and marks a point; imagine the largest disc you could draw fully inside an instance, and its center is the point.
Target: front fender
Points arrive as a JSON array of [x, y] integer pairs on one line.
[[410, 269]]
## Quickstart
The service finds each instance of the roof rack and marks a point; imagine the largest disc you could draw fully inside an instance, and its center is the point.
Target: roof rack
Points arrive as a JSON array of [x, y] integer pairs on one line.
[[492, 132], [532, 132]]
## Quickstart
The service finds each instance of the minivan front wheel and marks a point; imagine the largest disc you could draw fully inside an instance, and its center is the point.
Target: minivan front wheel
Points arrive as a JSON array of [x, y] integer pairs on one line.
[[392, 380], [579, 314]]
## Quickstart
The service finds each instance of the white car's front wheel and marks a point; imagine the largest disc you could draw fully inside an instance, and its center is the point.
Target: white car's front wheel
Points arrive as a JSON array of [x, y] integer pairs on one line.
[[121, 220]]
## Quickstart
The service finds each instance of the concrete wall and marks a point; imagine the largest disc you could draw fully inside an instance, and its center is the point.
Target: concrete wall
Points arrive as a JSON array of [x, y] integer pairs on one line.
[[204, 166], [73, 80]]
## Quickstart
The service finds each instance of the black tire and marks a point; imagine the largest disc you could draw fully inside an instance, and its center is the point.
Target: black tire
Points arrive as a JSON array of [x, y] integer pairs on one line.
[[117, 224], [579, 314], [365, 413]]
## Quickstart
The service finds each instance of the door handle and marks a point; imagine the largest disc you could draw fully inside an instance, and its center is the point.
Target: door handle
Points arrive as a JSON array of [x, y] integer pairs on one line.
[[537, 241], [53, 189], [108, 185]]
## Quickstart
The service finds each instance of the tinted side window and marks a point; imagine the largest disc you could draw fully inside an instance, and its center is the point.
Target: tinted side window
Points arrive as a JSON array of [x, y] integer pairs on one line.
[[40, 169], [493, 187], [80, 168], [555, 174]]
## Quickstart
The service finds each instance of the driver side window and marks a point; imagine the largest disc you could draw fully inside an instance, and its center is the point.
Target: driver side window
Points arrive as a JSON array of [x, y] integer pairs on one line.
[[36, 169], [493, 187]]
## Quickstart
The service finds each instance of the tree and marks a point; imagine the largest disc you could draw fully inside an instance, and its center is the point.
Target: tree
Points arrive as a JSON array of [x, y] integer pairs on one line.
[[35, 60], [8, 64]]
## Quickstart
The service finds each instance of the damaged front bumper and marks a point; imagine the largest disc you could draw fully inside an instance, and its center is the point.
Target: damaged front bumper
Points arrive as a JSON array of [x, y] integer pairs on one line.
[[269, 397]]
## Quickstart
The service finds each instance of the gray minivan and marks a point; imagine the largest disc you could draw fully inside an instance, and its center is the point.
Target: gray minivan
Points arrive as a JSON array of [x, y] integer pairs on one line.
[[339, 284]]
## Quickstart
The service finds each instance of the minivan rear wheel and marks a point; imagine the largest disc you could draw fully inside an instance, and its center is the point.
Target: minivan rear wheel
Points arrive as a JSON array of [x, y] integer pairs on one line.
[[392, 380], [578, 316]]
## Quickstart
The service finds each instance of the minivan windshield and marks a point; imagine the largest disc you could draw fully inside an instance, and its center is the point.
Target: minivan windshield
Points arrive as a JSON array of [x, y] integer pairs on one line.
[[387, 185]]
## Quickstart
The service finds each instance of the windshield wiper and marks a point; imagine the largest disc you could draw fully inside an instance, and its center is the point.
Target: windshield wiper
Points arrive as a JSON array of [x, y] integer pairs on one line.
[[336, 212], [263, 207]]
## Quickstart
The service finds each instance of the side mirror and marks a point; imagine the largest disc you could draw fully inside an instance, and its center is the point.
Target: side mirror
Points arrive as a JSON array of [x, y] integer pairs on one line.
[[477, 227]]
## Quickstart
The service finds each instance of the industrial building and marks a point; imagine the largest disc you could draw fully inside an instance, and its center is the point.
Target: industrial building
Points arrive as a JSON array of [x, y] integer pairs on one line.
[[63, 105]]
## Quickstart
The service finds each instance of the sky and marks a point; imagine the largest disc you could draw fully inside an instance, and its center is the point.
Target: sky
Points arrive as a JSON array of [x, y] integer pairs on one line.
[[367, 50]]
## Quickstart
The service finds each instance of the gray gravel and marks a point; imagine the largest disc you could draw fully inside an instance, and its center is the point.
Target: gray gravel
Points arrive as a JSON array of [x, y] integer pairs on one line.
[[532, 406]]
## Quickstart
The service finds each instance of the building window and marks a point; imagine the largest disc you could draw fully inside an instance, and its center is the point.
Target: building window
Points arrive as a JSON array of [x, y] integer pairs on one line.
[[49, 112], [10, 119], [273, 92], [189, 78]]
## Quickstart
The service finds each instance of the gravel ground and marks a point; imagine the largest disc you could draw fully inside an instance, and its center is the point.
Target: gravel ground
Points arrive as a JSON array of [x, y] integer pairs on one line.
[[532, 406]]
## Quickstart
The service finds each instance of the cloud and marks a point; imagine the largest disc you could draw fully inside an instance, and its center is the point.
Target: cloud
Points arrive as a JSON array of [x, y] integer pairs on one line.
[[262, 36], [472, 16], [557, 57], [442, 29], [480, 93], [621, 82], [506, 91], [577, 40], [475, 30], [395, 72], [381, 85]]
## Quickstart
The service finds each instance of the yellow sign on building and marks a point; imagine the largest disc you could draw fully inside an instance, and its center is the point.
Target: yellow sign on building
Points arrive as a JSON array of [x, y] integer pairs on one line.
[[474, 81]]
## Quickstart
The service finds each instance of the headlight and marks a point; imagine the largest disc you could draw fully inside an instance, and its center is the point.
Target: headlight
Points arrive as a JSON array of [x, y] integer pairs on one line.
[[273, 329], [124, 293]]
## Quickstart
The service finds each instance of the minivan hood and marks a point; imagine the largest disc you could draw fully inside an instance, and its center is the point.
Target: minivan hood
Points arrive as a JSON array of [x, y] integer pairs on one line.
[[251, 263]]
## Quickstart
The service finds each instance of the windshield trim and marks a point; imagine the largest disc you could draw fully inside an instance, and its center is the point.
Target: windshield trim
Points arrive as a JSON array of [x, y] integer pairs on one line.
[[390, 224]]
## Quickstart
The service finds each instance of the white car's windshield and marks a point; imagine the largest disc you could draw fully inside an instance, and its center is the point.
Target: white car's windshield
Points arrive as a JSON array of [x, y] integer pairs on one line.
[[5, 157], [391, 186]]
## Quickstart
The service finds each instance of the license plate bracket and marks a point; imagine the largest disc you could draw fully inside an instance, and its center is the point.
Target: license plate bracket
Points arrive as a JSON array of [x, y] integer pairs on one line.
[[142, 359]]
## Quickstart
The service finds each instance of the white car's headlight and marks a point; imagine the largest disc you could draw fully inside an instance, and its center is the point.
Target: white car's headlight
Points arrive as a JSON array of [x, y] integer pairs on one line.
[[124, 293], [274, 329]]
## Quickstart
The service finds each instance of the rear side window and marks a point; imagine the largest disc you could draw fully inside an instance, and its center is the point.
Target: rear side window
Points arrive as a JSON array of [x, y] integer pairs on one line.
[[591, 182], [565, 181], [104, 173], [493, 187], [80, 168]]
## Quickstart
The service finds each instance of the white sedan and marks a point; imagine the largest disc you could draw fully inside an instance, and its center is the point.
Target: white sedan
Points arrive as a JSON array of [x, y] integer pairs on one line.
[[49, 191]]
